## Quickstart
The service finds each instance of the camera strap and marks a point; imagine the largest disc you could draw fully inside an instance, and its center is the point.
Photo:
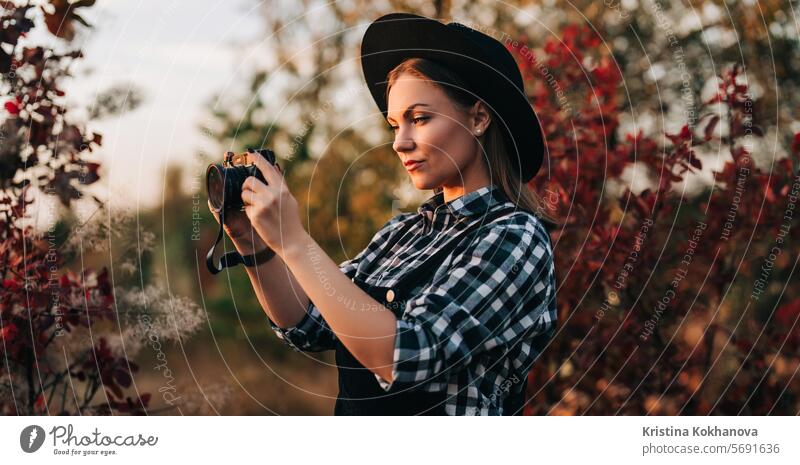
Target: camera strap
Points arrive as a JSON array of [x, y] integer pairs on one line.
[[233, 258]]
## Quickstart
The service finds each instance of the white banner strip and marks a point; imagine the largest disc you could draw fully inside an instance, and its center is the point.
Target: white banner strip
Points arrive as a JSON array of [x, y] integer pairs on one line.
[[386, 440]]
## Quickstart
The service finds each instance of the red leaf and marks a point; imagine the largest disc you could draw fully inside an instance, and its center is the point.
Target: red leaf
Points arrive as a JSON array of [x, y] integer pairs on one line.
[[12, 108], [39, 406], [8, 333], [122, 377], [695, 162], [788, 314], [712, 124], [114, 389]]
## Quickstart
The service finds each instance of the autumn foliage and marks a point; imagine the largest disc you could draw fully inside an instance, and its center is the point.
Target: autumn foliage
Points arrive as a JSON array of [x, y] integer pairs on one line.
[[673, 298], [41, 302], [669, 302]]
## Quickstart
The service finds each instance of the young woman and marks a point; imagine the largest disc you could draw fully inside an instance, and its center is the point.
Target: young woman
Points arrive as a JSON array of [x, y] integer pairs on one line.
[[447, 308]]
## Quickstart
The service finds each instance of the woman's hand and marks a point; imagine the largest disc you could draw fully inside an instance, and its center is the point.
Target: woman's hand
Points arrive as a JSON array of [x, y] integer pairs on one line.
[[271, 208], [237, 226]]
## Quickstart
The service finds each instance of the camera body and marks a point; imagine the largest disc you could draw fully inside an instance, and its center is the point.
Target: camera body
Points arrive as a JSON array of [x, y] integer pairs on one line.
[[224, 180]]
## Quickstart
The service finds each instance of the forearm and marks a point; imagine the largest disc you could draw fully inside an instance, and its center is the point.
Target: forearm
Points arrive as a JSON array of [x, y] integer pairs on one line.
[[361, 323], [280, 295]]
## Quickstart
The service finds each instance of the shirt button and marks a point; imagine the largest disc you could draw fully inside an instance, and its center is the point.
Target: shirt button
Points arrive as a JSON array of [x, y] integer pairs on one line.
[[390, 295]]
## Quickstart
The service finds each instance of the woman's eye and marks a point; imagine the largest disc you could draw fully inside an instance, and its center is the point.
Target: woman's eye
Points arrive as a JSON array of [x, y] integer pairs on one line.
[[415, 121]]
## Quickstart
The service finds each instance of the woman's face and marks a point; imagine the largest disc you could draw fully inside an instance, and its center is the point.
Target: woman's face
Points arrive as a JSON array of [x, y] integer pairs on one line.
[[432, 131]]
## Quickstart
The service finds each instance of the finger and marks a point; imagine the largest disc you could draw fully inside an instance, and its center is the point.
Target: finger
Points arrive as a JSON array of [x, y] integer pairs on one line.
[[248, 212], [253, 183], [267, 169], [252, 189], [248, 194]]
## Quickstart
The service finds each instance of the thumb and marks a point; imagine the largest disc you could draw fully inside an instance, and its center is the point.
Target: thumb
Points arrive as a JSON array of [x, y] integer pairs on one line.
[[213, 212]]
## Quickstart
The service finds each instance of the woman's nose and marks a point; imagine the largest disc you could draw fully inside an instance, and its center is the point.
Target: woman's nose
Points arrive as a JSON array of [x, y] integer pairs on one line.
[[402, 143]]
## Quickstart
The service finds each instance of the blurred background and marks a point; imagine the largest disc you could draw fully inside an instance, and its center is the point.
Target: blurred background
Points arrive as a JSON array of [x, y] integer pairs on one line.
[[685, 113]]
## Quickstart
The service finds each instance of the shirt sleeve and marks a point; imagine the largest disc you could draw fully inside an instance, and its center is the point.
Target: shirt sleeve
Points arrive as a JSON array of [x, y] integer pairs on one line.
[[493, 293], [312, 333]]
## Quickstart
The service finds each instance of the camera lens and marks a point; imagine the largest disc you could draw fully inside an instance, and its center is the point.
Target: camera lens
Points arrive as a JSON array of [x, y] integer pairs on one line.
[[224, 181], [215, 184]]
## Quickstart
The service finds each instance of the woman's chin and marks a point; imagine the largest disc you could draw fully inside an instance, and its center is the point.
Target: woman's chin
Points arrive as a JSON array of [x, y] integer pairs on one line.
[[421, 183]]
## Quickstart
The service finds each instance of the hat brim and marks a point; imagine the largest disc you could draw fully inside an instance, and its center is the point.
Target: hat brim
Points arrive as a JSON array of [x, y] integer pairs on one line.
[[393, 38]]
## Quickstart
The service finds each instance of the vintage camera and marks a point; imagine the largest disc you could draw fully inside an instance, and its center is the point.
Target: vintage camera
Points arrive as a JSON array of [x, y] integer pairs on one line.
[[224, 180], [224, 185]]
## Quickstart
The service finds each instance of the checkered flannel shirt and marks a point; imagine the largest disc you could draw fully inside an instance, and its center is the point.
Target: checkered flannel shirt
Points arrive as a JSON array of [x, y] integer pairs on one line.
[[474, 329]]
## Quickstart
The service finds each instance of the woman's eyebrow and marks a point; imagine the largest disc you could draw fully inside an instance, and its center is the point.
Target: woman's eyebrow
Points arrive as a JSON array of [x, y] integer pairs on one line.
[[409, 108]]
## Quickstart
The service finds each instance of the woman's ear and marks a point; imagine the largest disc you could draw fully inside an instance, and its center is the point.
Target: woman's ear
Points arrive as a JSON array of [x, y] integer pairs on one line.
[[481, 118]]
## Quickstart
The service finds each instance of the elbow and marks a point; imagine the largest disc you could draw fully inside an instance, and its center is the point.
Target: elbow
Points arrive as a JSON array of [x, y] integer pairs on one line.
[[383, 366]]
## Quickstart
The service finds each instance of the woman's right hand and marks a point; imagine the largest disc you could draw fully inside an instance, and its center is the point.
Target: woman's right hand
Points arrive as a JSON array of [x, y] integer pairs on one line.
[[237, 226]]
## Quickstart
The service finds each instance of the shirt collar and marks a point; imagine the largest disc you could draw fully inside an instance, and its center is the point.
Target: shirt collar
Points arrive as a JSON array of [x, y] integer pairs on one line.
[[471, 203]]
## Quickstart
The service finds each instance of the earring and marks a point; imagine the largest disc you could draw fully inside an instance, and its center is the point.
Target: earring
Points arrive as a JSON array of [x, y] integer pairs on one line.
[[478, 132]]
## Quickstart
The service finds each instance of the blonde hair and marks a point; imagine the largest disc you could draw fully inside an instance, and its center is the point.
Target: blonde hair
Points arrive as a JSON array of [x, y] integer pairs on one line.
[[493, 140]]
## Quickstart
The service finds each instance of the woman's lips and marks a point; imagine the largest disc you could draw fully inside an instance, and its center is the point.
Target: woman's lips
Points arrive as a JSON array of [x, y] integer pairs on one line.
[[412, 165]]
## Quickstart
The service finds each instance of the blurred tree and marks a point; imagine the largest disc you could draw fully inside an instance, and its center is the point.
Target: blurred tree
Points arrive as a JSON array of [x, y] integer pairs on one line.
[[660, 293], [62, 328], [670, 54]]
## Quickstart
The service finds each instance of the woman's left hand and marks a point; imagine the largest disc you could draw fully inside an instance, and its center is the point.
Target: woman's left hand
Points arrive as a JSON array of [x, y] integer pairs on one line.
[[271, 208]]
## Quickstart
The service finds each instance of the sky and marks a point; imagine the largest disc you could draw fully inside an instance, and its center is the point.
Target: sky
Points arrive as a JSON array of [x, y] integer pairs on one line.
[[179, 54]]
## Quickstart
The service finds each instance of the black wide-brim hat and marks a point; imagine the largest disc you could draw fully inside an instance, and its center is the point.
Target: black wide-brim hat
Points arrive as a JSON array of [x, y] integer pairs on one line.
[[482, 61]]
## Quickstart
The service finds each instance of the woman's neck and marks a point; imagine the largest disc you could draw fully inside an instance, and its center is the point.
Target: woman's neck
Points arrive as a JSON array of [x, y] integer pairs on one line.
[[455, 192], [469, 180]]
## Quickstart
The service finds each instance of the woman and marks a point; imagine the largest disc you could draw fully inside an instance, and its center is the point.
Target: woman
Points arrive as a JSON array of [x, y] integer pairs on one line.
[[447, 308]]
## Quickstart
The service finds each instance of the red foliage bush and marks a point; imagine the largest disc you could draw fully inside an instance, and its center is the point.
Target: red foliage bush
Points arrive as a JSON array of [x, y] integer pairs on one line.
[[40, 301], [666, 301]]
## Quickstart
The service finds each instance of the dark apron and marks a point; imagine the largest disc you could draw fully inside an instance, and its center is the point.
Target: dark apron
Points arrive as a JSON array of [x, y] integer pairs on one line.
[[359, 391]]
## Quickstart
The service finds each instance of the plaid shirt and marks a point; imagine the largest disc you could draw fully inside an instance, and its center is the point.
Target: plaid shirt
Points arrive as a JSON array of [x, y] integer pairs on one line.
[[473, 318]]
